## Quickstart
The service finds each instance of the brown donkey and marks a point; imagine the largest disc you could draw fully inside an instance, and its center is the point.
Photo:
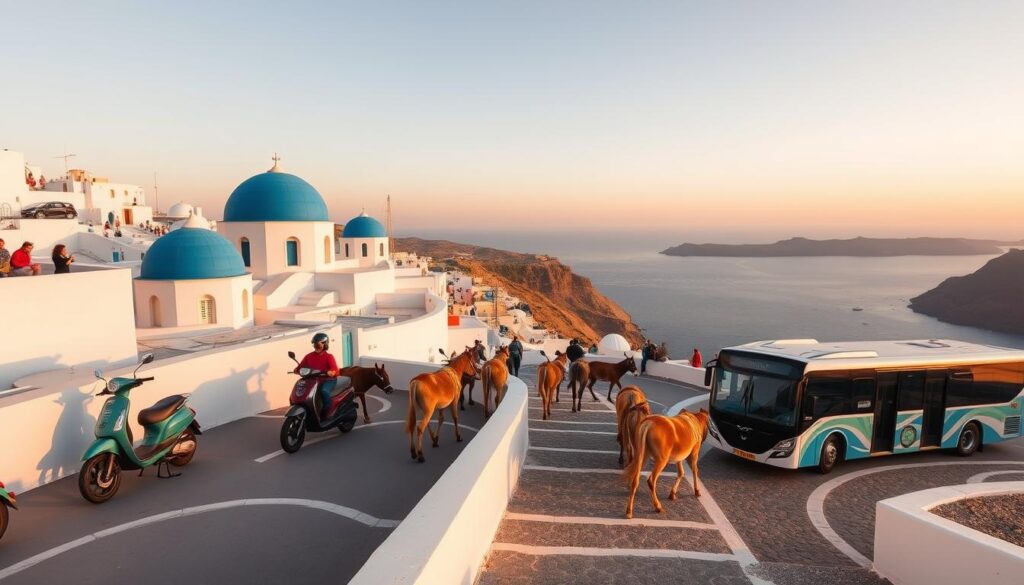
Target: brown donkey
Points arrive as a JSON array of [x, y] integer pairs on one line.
[[469, 382], [494, 374], [549, 378], [631, 407], [363, 379], [438, 390], [579, 375], [666, 439], [611, 373]]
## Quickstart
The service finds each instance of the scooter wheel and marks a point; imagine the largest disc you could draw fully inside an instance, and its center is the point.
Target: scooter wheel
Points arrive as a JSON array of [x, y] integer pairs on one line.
[[293, 433], [348, 424], [187, 450], [94, 483], [4, 516]]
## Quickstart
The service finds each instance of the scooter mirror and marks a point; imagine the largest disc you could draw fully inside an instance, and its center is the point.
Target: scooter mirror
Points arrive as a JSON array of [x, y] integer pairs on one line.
[[147, 358], [98, 373], [291, 354]]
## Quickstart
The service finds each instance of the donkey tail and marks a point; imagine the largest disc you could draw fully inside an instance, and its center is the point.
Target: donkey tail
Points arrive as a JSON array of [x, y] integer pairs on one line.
[[639, 439], [541, 379], [410, 416]]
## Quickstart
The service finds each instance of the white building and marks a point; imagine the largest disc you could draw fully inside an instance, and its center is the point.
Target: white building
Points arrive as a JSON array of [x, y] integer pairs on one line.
[[98, 200], [193, 277]]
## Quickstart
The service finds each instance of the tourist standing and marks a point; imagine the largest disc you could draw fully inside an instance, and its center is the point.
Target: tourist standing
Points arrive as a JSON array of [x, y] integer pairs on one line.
[[515, 355], [647, 352], [696, 360], [61, 260], [574, 351]]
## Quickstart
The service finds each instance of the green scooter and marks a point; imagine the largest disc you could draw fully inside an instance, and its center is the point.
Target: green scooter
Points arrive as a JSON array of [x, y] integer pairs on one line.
[[6, 501], [170, 438]]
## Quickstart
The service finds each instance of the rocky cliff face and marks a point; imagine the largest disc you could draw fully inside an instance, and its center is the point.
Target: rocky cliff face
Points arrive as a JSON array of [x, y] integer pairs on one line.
[[991, 298], [560, 299]]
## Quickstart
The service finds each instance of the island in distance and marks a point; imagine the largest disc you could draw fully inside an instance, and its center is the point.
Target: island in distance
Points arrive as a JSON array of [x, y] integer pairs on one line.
[[991, 298], [850, 247]]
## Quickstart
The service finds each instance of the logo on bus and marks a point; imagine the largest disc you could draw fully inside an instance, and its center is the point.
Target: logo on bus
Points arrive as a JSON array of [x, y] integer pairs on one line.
[[908, 436]]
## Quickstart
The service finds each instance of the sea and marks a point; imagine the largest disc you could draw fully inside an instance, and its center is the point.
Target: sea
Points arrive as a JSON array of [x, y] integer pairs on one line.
[[711, 303]]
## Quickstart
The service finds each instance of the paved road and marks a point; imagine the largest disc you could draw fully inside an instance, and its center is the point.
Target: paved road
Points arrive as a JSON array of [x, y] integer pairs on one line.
[[751, 525], [321, 511]]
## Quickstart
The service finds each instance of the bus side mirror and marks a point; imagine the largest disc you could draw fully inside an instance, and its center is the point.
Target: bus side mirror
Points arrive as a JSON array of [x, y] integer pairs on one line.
[[708, 372]]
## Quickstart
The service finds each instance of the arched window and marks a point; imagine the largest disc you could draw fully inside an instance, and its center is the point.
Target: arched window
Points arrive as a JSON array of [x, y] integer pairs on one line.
[[154, 312], [366, 251], [245, 304], [382, 248], [243, 245], [292, 251], [327, 248], [207, 310], [346, 250]]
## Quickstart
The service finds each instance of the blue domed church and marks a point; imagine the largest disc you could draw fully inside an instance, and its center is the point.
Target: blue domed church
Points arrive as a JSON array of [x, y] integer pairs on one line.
[[193, 277], [280, 227]]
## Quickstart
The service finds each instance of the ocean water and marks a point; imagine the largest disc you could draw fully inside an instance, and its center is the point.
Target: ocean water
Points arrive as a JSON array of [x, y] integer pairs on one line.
[[712, 303]]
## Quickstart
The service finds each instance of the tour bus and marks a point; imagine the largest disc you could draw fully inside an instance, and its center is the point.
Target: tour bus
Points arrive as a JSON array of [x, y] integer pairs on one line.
[[800, 403]]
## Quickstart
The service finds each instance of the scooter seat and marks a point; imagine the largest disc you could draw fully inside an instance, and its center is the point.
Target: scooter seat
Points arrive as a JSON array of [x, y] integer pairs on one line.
[[161, 410]]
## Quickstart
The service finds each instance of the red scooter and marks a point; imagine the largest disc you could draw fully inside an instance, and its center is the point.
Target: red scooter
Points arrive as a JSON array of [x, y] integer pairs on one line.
[[308, 413], [7, 500]]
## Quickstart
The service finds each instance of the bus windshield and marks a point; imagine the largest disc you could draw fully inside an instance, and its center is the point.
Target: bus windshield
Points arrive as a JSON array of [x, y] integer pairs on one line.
[[767, 393]]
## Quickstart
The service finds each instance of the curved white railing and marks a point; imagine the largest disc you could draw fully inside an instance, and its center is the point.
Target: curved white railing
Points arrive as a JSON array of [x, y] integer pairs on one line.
[[446, 537]]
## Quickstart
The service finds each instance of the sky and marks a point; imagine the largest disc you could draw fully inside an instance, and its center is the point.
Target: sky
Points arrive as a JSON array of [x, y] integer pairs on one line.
[[728, 120]]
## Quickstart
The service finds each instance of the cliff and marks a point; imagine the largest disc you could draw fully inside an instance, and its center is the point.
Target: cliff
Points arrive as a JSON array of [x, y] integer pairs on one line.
[[991, 298], [851, 247], [560, 299]]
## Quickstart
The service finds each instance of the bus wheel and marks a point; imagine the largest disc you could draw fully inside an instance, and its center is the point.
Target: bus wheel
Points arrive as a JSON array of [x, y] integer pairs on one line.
[[970, 438], [829, 454]]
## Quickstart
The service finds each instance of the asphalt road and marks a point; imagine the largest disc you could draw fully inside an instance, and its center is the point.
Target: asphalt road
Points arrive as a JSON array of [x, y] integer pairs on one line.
[[268, 516]]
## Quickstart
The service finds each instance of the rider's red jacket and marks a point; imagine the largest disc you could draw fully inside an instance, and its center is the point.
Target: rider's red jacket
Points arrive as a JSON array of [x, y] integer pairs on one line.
[[322, 361]]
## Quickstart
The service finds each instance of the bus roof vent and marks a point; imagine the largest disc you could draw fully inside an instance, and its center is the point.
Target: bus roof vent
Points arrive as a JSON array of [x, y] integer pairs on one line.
[[779, 342], [929, 344], [838, 355]]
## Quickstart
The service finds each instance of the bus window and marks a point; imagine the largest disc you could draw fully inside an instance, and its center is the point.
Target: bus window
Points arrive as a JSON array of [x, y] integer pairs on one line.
[[911, 391], [958, 389], [863, 395], [827, 397], [996, 383]]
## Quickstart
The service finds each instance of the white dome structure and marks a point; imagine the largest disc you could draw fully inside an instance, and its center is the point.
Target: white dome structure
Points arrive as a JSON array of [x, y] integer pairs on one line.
[[180, 210], [193, 221], [613, 344]]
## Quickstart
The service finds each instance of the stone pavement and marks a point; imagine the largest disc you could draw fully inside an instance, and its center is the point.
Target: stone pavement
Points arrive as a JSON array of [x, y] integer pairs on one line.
[[752, 524], [566, 524]]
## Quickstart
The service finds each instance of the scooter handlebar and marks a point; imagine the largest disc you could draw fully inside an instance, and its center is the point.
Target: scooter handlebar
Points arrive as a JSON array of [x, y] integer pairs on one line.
[[148, 379]]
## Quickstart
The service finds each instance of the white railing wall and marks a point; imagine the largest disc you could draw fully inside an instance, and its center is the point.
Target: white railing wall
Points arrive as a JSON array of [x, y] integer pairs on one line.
[[446, 537]]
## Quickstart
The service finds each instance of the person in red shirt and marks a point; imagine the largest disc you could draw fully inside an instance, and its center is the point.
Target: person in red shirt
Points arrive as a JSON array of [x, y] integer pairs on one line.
[[696, 360], [320, 359], [21, 261]]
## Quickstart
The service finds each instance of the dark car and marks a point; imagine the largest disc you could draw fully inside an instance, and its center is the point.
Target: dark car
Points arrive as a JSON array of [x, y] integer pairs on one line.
[[49, 209]]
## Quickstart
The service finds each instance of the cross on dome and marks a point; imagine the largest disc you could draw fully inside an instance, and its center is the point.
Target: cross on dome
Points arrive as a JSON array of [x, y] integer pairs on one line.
[[277, 167]]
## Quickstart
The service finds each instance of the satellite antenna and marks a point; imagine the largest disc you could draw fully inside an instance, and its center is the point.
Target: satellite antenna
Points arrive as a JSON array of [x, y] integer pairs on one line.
[[388, 226], [65, 156]]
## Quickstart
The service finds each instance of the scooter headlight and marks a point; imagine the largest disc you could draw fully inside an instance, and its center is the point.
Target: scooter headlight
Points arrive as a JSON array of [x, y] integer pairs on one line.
[[120, 421], [112, 386], [304, 371]]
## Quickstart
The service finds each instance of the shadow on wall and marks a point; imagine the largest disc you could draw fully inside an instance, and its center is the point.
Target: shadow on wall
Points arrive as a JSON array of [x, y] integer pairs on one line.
[[71, 435], [219, 397], [11, 371]]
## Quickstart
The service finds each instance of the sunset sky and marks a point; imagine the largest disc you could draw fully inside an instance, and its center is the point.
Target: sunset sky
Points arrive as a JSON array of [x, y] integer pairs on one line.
[[776, 118]]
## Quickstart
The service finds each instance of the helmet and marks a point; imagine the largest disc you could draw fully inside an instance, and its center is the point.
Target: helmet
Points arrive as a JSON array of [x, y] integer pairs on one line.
[[321, 338]]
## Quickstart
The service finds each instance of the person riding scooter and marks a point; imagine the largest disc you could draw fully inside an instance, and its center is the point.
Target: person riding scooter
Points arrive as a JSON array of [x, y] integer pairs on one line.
[[320, 359]]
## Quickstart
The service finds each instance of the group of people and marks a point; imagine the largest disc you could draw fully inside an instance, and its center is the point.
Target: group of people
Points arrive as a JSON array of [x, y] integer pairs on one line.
[[650, 351], [20, 262]]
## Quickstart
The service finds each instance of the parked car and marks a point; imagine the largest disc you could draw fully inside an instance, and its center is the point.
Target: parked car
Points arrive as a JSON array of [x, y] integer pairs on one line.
[[49, 209]]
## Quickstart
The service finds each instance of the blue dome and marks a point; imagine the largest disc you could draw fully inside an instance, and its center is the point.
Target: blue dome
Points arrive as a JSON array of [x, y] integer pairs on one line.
[[364, 226], [191, 253], [275, 196]]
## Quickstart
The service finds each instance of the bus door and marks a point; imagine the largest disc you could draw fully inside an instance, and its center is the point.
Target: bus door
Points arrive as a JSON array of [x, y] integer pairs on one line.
[[884, 431], [934, 408]]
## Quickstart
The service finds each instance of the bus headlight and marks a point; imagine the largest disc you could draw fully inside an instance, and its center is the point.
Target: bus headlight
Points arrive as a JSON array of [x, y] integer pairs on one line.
[[783, 449]]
